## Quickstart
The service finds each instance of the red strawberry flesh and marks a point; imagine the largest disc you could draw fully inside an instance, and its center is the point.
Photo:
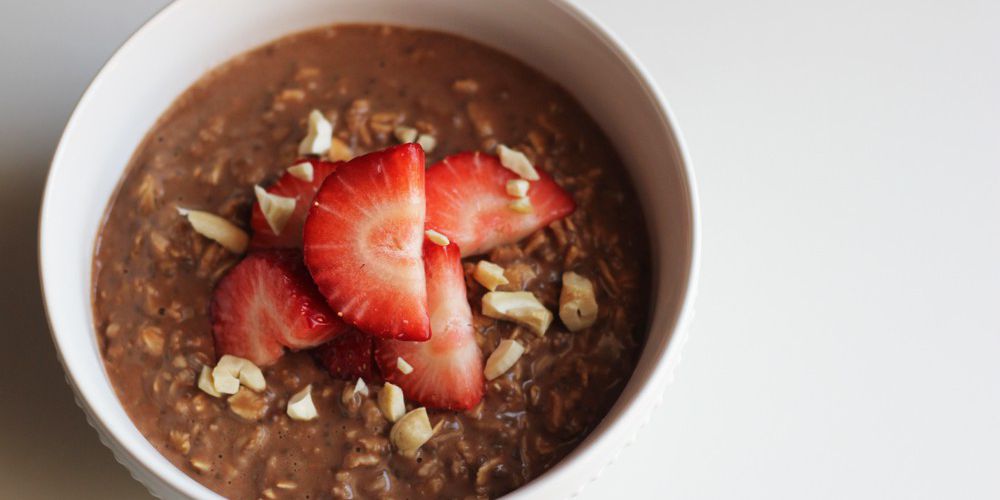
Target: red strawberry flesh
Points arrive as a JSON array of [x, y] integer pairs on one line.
[[448, 368], [362, 243], [467, 200], [303, 192], [268, 302], [349, 356]]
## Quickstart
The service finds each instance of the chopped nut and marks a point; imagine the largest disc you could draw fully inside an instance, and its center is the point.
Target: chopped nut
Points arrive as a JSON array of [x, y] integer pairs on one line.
[[516, 162], [286, 485], [231, 371], [248, 405], [489, 275], [252, 377], [518, 188], [225, 383], [276, 209], [502, 358], [428, 142], [522, 205], [437, 238], [300, 405], [207, 384], [217, 229], [319, 135], [302, 171], [405, 134], [537, 320], [360, 387], [577, 304], [350, 399], [411, 431], [391, 402], [201, 464], [340, 151], [519, 307], [403, 366]]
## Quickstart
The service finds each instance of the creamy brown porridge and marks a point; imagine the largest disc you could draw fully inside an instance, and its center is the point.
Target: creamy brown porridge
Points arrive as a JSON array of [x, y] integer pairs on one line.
[[242, 125]]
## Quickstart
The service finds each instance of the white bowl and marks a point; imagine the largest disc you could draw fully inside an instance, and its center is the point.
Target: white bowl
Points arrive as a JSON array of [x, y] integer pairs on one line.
[[190, 37]]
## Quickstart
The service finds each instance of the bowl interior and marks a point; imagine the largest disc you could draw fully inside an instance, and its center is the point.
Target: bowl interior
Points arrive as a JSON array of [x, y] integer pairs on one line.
[[190, 37]]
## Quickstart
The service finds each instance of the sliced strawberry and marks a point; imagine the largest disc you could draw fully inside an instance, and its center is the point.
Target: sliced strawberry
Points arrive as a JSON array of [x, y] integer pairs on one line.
[[362, 240], [448, 368], [467, 200], [289, 186], [348, 356], [267, 302]]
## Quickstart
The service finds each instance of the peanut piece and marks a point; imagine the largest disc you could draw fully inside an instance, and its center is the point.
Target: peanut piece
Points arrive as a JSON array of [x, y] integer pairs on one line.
[[276, 209], [502, 358], [405, 134], [428, 142], [489, 275], [207, 384], [225, 383], [231, 371], [411, 431], [518, 188], [391, 402], [318, 136], [537, 320], [577, 303], [300, 405], [217, 229], [252, 377], [360, 387], [403, 366], [519, 307], [302, 171], [516, 162]]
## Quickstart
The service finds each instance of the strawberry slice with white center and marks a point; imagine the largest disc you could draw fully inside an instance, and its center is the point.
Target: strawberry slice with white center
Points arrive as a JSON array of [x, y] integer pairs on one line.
[[268, 302], [349, 356], [362, 243], [302, 191], [448, 368], [467, 200]]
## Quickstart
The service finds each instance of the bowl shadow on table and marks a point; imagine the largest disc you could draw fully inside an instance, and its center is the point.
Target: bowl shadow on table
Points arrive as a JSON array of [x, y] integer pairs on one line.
[[47, 449]]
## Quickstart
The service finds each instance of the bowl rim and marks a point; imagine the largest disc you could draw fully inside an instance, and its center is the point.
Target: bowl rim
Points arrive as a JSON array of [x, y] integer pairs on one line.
[[667, 357]]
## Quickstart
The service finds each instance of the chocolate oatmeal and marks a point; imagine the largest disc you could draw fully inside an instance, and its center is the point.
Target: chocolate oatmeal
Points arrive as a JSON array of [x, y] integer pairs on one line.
[[299, 432]]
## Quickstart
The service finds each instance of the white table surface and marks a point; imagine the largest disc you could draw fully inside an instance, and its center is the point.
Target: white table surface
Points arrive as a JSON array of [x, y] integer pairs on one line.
[[847, 340]]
